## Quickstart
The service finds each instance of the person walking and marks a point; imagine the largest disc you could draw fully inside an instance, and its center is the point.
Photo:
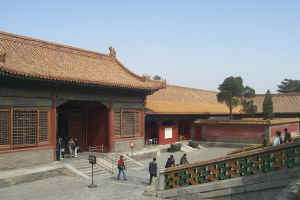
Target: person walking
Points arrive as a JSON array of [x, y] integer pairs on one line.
[[76, 146], [184, 160], [121, 168], [280, 137], [59, 148], [170, 162], [152, 170], [71, 145], [63, 147], [277, 140], [287, 136]]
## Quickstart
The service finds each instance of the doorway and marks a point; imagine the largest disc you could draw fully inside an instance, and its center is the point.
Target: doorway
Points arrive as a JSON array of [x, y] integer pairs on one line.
[[84, 120]]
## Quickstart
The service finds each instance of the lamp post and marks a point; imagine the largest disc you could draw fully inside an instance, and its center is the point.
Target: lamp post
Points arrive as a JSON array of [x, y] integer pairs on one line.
[[92, 160], [131, 145]]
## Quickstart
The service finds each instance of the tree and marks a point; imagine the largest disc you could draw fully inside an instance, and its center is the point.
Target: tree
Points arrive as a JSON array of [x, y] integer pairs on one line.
[[156, 77], [248, 92], [230, 92], [268, 106], [289, 85], [248, 105]]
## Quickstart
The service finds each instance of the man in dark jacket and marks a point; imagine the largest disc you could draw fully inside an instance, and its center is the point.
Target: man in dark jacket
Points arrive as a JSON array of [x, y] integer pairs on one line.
[[287, 136], [170, 162], [184, 160], [152, 170]]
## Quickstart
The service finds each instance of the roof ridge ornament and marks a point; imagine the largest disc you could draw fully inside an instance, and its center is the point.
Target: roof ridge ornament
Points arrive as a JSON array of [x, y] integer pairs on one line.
[[112, 52], [2, 55]]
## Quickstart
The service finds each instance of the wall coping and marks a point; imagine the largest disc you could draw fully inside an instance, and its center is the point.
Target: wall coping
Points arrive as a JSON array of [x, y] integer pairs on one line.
[[28, 149], [247, 121], [229, 157]]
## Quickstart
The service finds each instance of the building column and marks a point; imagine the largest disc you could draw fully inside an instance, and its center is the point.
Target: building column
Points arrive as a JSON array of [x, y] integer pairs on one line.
[[203, 133], [192, 132], [53, 127], [268, 133], [110, 129], [142, 123]]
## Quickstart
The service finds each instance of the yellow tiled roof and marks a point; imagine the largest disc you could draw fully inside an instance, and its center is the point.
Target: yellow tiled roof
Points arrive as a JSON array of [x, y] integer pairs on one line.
[[171, 107], [177, 99], [282, 103], [35, 58], [183, 100]]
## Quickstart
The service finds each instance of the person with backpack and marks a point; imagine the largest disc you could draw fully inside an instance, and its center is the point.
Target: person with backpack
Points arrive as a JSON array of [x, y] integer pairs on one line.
[[184, 160], [152, 170], [121, 168], [170, 162]]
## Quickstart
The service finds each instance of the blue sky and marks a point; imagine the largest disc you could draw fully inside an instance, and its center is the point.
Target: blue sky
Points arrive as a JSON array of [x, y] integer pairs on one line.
[[193, 43]]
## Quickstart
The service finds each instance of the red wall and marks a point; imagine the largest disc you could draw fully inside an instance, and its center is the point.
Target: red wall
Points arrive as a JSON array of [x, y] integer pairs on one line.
[[291, 128], [186, 129], [198, 134], [97, 126], [161, 134], [235, 133]]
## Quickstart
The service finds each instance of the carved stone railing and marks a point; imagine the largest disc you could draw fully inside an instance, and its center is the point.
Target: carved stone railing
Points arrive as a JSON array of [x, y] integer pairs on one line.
[[236, 165]]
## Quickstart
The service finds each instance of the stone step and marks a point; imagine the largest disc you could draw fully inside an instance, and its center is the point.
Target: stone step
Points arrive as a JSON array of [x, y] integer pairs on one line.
[[97, 173], [186, 148]]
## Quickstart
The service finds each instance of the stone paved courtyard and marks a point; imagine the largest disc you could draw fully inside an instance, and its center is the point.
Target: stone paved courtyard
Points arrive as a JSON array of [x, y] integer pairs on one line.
[[75, 187]]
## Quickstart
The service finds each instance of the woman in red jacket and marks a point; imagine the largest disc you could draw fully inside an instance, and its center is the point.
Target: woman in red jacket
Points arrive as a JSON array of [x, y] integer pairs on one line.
[[121, 168]]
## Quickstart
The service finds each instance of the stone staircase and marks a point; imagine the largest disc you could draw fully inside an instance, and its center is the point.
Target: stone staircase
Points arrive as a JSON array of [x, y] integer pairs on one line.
[[111, 161], [107, 164], [83, 166], [186, 148]]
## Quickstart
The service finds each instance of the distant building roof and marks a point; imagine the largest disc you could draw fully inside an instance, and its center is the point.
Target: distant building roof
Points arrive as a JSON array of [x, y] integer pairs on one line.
[[282, 103], [248, 121], [33, 58], [183, 100]]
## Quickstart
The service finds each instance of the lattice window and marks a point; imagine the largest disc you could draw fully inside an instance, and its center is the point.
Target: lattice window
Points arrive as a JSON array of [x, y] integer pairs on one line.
[[25, 123], [117, 123], [128, 123], [137, 123], [43, 125], [4, 127]]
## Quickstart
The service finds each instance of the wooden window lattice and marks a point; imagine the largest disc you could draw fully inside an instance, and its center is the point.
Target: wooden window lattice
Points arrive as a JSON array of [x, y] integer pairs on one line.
[[126, 123], [43, 126], [117, 123], [4, 127], [25, 129], [137, 123]]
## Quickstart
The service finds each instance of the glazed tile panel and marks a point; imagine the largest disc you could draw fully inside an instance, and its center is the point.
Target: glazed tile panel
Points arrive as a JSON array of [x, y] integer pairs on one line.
[[262, 161]]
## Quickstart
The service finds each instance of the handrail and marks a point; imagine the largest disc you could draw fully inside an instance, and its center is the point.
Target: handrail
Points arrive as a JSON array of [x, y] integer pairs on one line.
[[231, 166], [96, 148]]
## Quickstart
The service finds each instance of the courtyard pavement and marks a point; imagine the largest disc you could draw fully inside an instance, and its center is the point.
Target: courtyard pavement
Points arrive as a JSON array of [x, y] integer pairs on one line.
[[67, 187]]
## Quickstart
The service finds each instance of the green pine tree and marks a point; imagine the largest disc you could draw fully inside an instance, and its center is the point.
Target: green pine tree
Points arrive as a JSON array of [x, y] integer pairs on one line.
[[268, 106], [230, 92]]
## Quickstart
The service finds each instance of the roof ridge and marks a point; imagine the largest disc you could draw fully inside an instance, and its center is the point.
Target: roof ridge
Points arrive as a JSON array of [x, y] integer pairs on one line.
[[282, 94], [136, 75], [43, 43], [70, 51], [179, 86]]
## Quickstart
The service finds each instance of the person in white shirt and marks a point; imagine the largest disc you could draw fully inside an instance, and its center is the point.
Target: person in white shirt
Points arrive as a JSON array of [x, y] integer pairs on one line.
[[276, 141]]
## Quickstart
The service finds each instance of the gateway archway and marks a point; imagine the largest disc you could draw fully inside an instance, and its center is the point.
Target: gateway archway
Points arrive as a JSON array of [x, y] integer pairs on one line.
[[84, 120]]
